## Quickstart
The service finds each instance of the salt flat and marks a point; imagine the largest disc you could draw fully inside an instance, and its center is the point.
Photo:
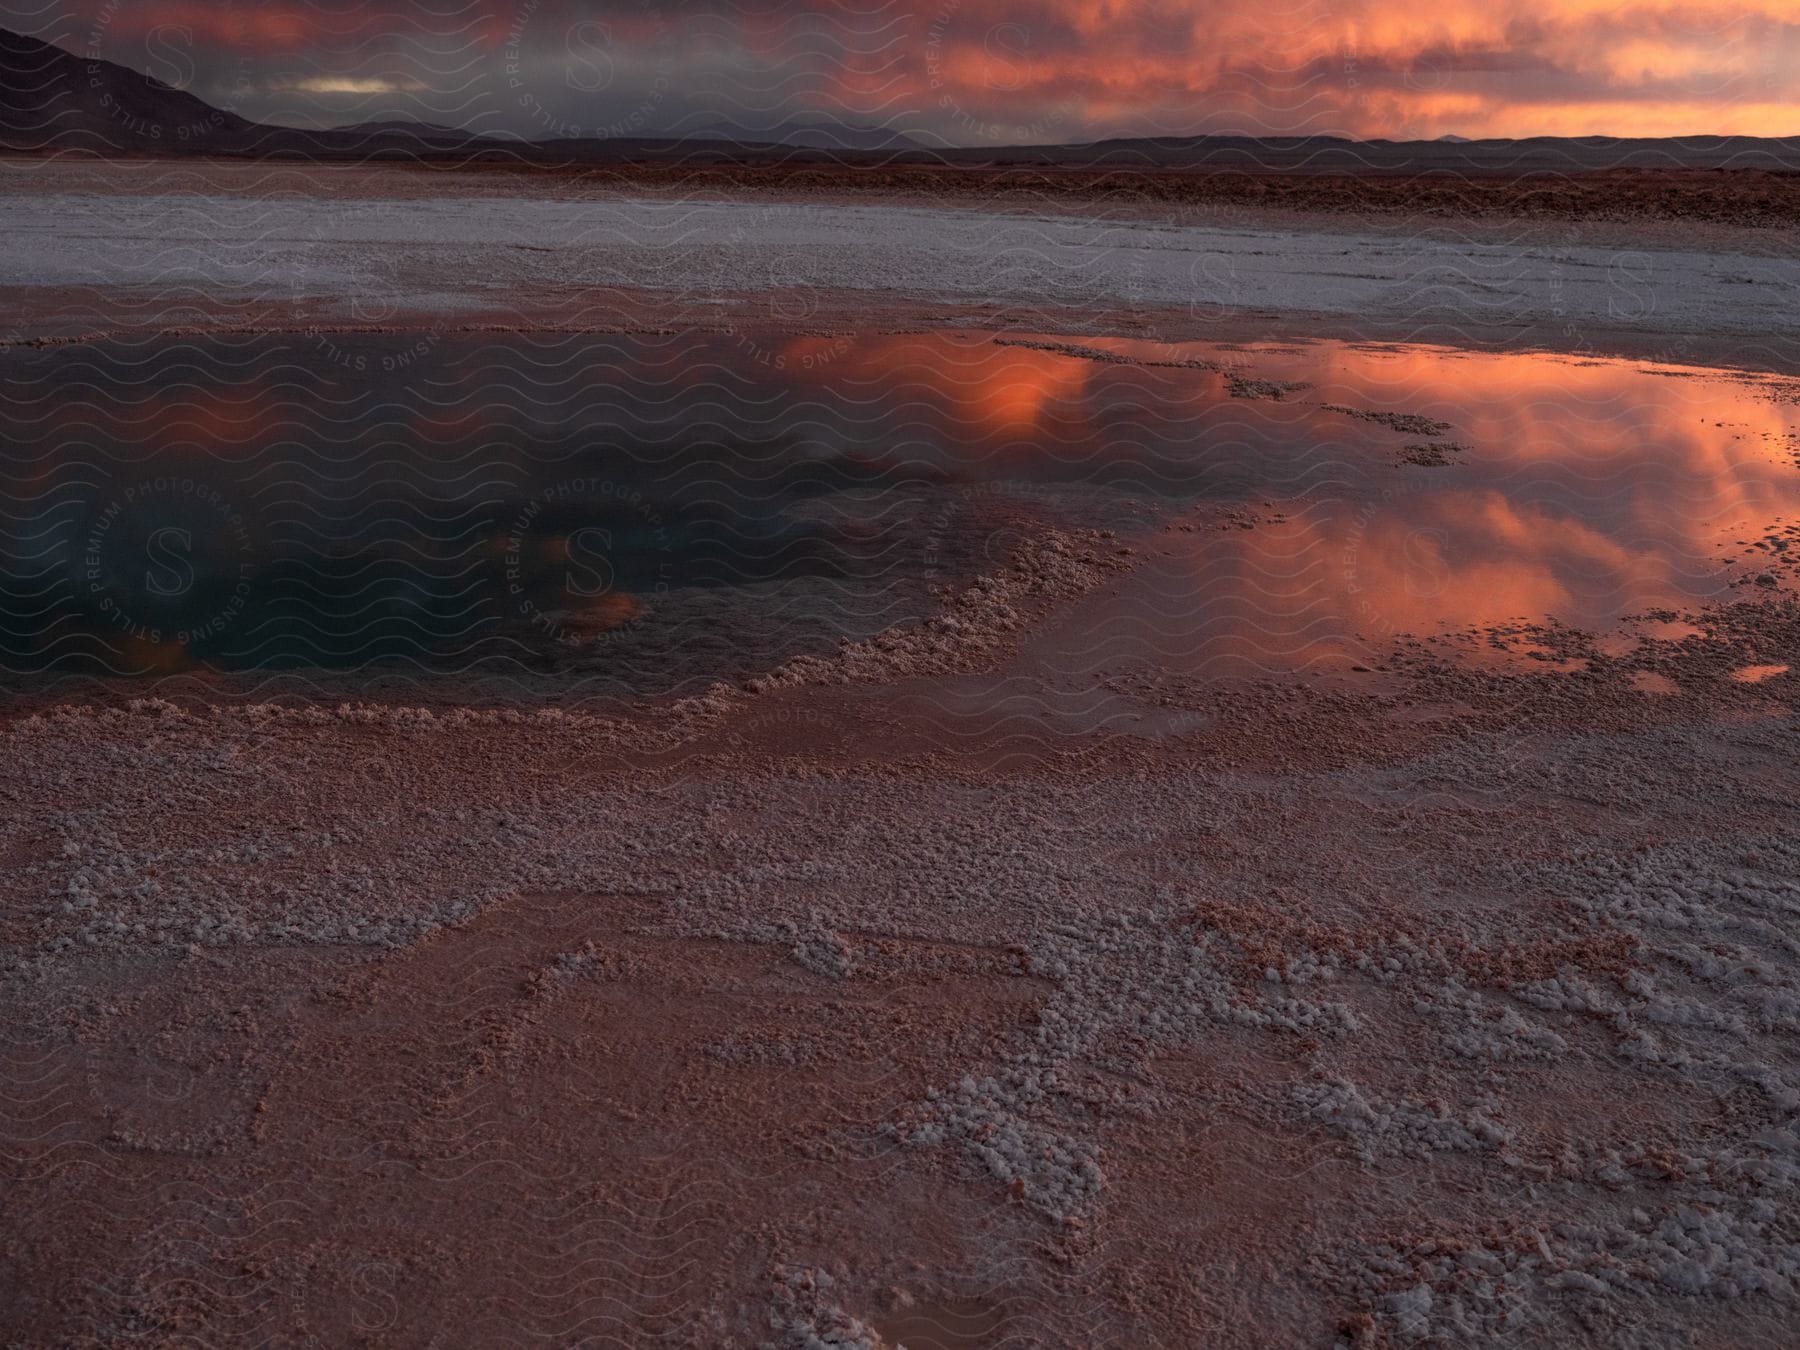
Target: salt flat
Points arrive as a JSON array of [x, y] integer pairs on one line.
[[769, 829], [488, 254]]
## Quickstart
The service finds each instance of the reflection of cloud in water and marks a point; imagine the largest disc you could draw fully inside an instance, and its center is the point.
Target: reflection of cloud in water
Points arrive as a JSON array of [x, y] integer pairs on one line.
[[1591, 490], [747, 500]]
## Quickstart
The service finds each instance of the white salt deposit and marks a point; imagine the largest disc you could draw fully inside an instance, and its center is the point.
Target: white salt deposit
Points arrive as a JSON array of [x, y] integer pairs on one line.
[[486, 253], [1517, 1080]]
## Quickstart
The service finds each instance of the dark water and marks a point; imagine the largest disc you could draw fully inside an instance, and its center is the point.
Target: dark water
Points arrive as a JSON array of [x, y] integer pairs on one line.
[[645, 514]]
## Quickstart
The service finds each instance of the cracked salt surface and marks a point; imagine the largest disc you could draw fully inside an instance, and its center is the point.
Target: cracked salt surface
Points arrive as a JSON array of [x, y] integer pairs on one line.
[[1544, 1069], [1135, 972], [805, 1317]]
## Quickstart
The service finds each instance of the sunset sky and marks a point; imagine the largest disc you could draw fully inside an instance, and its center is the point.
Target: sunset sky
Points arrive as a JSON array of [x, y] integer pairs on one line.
[[974, 71]]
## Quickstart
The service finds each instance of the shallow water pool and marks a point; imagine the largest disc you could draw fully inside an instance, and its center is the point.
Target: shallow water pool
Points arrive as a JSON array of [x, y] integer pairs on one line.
[[645, 514]]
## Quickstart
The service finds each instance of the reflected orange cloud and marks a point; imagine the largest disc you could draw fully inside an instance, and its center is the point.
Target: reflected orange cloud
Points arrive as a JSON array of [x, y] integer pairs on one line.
[[1285, 519], [1005, 391], [1583, 490], [1474, 559], [1614, 489], [188, 420]]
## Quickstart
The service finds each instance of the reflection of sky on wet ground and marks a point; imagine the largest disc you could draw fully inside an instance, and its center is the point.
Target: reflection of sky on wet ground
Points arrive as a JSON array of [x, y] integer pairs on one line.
[[655, 510], [1577, 490]]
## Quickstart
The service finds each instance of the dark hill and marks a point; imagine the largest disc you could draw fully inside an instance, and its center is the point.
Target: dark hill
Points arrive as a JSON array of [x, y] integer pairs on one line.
[[51, 98]]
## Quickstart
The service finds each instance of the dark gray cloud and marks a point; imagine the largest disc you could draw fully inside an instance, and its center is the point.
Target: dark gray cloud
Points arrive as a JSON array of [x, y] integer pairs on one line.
[[964, 71]]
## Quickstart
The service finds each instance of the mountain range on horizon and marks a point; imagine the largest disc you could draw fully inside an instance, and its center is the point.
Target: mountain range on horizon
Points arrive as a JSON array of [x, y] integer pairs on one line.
[[54, 100], [795, 134]]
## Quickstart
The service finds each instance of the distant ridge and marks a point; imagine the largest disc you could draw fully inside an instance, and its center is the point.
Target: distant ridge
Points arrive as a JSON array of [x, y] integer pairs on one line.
[[400, 126], [807, 135], [1338, 154], [53, 100]]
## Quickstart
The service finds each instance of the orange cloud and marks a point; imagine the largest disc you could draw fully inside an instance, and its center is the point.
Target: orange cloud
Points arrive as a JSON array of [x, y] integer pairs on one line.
[[1011, 70]]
